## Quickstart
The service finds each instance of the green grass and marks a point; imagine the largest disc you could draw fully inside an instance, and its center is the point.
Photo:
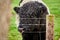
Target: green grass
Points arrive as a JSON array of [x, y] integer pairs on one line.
[[13, 30], [54, 6]]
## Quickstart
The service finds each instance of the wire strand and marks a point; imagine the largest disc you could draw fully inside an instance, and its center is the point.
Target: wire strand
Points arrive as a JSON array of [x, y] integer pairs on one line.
[[32, 24]]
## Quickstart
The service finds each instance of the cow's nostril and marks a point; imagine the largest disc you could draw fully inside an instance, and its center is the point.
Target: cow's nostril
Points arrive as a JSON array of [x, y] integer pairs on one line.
[[24, 29]]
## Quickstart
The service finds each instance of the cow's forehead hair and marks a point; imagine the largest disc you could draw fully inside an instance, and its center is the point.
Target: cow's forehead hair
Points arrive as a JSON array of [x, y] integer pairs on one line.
[[40, 1]]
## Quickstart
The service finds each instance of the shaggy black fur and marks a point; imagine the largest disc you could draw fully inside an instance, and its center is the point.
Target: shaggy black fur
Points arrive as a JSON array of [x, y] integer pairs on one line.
[[37, 11]]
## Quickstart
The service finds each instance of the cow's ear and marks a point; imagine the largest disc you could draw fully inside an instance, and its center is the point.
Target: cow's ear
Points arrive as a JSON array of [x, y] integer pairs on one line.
[[16, 9]]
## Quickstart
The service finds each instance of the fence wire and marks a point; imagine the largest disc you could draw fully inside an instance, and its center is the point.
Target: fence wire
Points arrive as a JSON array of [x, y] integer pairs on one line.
[[32, 18], [32, 24], [37, 35]]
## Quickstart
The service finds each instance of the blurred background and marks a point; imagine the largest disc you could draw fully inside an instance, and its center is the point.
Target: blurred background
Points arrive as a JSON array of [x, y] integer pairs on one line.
[[54, 6]]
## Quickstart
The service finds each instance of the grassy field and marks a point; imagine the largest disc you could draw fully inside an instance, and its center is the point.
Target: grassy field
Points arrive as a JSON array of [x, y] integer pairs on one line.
[[54, 6]]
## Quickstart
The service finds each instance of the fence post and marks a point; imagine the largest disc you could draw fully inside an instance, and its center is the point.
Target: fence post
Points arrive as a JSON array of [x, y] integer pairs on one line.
[[49, 27], [5, 14]]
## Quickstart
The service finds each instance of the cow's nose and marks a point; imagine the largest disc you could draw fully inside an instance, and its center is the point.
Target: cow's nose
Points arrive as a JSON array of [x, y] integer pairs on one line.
[[21, 29]]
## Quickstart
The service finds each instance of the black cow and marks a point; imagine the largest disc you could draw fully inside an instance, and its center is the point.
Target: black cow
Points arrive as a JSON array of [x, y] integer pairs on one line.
[[32, 20]]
